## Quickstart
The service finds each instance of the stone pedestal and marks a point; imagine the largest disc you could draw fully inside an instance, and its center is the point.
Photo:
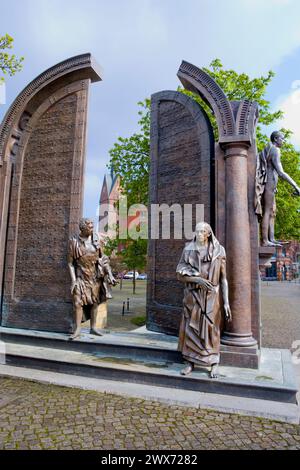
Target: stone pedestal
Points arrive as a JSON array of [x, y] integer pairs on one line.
[[265, 255]]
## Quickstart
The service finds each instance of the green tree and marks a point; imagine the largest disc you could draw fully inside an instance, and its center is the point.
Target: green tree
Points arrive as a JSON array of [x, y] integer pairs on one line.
[[9, 63], [130, 160], [129, 253], [241, 86], [130, 157], [288, 205]]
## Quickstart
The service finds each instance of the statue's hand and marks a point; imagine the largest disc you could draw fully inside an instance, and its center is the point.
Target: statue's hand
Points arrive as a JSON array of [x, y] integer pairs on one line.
[[205, 284], [73, 286], [297, 191], [227, 312]]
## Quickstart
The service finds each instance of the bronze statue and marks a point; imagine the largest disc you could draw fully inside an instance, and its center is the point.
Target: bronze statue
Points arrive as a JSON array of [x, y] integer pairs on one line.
[[202, 268], [268, 169], [90, 274]]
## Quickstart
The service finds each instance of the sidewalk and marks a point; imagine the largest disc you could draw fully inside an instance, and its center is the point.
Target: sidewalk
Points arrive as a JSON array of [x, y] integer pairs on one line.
[[39, 416]]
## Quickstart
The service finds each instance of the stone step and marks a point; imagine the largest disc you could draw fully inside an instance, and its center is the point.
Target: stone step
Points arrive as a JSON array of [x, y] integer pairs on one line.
[[139, 344], [274, 380]]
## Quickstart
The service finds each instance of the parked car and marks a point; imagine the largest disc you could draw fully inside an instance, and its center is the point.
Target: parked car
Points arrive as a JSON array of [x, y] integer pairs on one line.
[[142, 277], [130, 275]]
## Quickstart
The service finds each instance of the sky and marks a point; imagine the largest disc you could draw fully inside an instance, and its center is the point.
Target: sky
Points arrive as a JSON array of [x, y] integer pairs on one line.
[[140, 44]]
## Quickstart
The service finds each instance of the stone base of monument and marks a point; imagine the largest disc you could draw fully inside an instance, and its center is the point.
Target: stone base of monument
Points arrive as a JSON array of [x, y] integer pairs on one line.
[[144, 357], [101, 317], [265, 255]]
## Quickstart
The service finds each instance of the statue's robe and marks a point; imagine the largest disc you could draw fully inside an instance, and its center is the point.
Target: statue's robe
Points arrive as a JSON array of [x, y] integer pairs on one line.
[[92, 274], [199, 334]]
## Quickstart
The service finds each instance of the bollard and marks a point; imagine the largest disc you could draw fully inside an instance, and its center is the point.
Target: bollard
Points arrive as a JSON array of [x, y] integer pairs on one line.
[[127, 304], [123, 309]]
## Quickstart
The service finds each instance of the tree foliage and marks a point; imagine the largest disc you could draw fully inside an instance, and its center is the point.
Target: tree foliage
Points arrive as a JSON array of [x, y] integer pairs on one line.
[[9, 63], [238, 87], [130, 157]]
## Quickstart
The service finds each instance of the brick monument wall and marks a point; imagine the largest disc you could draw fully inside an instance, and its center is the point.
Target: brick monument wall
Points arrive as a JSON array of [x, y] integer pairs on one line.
[[42, 159], [37, 296], [182, 172]]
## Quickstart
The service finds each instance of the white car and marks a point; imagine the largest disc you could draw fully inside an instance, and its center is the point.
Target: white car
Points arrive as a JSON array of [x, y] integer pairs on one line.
[[129, 275]]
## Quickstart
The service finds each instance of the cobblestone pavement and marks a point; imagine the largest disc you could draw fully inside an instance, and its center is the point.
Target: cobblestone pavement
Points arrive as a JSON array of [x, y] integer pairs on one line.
[[280, 313], [38, 416]]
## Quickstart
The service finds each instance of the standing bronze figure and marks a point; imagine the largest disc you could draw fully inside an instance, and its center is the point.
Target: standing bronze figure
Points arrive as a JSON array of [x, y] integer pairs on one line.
[[202, 268], [90, 274], [268, 169]]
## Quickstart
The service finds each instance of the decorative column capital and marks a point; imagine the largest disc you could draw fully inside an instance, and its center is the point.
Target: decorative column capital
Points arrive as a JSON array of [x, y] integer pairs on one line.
[[235, 149]]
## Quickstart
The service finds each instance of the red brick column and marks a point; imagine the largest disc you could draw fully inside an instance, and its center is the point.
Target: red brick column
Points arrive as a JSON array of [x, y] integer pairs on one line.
[[238, 250]]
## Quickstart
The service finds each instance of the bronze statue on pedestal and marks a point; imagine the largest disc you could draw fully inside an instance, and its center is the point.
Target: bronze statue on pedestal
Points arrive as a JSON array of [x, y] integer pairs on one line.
[[90, 274], [268, 169], [202, 268]]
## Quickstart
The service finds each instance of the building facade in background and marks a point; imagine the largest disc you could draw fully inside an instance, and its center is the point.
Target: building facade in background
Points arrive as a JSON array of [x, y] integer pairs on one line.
[[109, 196], [285, 265]]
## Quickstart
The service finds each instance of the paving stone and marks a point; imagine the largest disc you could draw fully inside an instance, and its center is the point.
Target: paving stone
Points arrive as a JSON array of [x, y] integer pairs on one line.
[[96, 421]]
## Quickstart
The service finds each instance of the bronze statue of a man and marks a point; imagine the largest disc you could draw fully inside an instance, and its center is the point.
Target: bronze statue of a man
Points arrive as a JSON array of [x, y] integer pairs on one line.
[[268, 169], [202, 268], [90, 274]]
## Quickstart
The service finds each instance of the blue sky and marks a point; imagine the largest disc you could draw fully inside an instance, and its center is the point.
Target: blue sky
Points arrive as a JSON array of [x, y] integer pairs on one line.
[[140, 45]]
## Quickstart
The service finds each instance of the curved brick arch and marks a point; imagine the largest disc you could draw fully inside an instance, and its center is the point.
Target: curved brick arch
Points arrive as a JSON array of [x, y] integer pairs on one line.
[[236, 120], [42, 152], [196, 80], [18, 114]]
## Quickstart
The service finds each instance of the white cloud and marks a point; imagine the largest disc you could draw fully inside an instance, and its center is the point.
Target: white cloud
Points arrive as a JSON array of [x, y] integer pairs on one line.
[[290, 105], [92, 185], [140, 44]]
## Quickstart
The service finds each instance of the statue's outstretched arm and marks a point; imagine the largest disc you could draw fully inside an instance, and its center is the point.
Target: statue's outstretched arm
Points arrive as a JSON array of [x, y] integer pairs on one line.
[[281, 173]]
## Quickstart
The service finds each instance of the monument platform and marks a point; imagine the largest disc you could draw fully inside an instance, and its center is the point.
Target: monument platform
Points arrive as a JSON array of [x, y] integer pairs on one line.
[[148, 358]]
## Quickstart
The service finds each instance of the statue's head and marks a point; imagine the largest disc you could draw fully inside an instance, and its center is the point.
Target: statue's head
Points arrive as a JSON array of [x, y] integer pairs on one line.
[[86, 227], [277, 138], [203, 232]]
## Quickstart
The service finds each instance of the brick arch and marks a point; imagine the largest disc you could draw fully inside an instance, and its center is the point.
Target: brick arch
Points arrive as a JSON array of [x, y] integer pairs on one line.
[[235, 120], [32, 112], [20, 111], [198, 81]]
